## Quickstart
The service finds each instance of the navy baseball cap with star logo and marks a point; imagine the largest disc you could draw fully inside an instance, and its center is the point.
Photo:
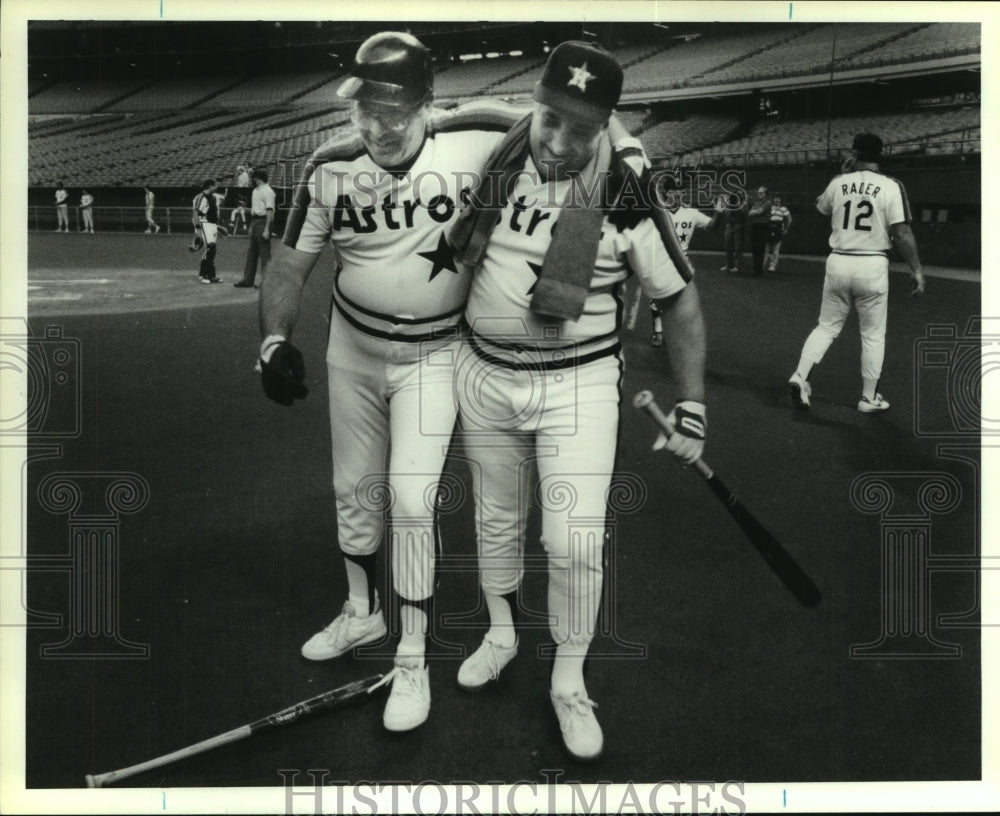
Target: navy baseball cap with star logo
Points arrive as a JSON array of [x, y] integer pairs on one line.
[[582, 80]]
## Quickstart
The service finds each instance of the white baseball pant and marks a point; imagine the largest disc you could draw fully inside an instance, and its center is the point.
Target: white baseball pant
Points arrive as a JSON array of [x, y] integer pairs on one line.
[[392, 413], [564, 425], [861, 281]]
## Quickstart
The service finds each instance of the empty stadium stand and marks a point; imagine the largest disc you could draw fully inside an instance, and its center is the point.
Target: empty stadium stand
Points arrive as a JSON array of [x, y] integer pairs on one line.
[[174, 130]]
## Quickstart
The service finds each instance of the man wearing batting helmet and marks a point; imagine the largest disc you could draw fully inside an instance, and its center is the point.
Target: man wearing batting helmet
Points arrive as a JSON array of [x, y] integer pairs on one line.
[[385, 195], [539, 376], [869, 213]]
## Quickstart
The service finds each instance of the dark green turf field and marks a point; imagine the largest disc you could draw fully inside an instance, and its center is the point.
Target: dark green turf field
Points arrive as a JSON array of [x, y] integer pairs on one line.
[[706, 667]]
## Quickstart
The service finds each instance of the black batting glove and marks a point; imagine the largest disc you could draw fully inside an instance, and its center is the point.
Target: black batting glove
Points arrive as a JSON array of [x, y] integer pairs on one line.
[[282, 372]]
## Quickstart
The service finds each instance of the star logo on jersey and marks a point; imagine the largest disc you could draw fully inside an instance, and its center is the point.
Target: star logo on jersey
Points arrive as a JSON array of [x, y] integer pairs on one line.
[[581, 76], [683, 236], [443, 257], [537, 270]]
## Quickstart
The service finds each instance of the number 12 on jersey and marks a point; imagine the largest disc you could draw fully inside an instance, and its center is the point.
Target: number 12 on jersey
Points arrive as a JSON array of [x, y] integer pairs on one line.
[[863, 212]]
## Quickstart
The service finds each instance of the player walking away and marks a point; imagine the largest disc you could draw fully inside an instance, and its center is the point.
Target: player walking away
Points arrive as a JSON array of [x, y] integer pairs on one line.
[[538, 379], [759, 218], [686, 221], [151, 225], [62, 208], [238, 217], [395, 328], [735, 219], [87, 212], [261, 219], [207, 212], [781, 222], [869, 213]]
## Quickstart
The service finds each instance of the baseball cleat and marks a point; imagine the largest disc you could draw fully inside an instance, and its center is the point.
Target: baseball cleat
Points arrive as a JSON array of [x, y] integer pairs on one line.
[[484, 664], [345, 632], [867, 406], [656, 340], [409, 701], [799, 390], [581, 732]]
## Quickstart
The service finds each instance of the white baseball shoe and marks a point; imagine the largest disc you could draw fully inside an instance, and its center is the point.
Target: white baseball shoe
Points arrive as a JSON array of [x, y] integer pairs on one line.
[[867, 406], [800, 390], [409, 701], [484, 664], [345, 632], [581, 732]]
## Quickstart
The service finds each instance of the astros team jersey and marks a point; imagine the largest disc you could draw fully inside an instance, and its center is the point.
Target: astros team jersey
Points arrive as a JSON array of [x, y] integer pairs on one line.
[[686, 221], [498, 308], [862, 206], [398, 274]]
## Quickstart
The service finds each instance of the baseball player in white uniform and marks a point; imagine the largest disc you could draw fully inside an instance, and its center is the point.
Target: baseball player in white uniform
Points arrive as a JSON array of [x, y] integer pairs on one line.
[[539, 378], [869, 213], [686, 221], [206, 211], [385, 197], [151, 225]]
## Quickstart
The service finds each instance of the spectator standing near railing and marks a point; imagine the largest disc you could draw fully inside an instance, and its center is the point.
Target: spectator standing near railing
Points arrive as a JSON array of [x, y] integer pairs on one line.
[[781, 222], [759, 218], [62, 208], [735, 220], [87, 211]]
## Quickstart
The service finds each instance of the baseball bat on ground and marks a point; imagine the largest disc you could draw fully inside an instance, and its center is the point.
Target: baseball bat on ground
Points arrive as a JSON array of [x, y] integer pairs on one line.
[[777, 558], [334, 698]]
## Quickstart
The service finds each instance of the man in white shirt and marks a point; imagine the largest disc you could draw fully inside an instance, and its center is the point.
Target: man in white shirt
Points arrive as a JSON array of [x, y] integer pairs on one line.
[[869, 214], [261, 220]]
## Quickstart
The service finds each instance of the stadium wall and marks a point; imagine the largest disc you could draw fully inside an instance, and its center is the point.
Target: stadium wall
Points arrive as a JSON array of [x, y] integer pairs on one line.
[[946, 205]]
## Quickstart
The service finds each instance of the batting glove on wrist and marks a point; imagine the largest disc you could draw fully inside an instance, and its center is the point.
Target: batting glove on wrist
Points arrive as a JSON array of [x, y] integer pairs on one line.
[[685, 437], [282, 372]]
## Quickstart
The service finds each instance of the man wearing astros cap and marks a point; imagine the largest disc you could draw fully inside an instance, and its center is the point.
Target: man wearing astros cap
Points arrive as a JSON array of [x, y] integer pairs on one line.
[[384, 194], [539, 376]]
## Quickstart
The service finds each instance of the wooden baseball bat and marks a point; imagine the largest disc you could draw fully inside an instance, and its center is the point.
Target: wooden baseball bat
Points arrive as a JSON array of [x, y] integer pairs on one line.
[[782, 564], [334, 698]]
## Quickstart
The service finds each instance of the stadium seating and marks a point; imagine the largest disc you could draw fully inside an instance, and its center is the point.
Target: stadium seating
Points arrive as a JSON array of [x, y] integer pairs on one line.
[[498, 75], [82, 96], [174, 131], [927, 42], [679, 64], [770, 142], [810, 51]]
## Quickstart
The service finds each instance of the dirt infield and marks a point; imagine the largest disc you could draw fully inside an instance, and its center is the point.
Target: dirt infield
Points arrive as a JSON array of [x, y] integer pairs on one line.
[[705, 667]]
